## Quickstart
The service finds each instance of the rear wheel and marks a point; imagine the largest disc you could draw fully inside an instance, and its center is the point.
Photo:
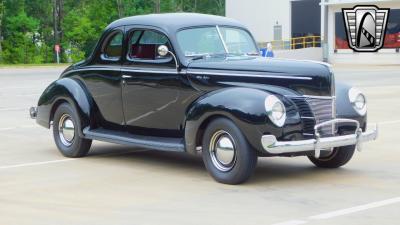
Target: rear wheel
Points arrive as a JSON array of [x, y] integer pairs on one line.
[[65, 132], [339, 157], [226, 153]]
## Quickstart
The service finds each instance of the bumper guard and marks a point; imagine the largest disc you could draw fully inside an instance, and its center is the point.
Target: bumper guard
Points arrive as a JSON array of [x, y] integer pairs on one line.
[[271, 145], [33, 112]]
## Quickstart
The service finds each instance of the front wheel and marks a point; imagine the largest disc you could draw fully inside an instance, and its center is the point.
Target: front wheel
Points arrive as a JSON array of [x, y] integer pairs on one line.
[[337, 158], [226, 153], [65, 132]]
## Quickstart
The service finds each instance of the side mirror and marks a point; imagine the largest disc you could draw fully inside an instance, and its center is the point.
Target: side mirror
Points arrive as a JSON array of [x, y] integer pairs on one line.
[[163, 51]]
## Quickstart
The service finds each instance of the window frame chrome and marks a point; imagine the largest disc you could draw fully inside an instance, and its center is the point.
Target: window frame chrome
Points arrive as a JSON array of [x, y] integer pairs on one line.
[[107, 40], [160, 61]]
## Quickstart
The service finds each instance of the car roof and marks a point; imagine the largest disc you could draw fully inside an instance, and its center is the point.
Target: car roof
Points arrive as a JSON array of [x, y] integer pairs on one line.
[[175, 21]]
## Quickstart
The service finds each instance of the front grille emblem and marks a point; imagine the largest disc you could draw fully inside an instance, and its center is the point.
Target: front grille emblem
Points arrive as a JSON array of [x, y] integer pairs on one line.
[[366, 27]]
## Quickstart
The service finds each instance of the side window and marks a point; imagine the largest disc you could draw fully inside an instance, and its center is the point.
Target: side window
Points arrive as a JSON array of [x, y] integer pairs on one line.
[[113, 48], [143, 45]]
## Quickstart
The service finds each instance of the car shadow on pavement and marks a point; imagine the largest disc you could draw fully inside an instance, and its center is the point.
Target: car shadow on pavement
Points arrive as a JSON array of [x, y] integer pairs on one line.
[[170, 160], [269, 171]]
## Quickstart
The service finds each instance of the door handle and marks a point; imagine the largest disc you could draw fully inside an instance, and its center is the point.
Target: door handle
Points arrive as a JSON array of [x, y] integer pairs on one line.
[[126, 76]]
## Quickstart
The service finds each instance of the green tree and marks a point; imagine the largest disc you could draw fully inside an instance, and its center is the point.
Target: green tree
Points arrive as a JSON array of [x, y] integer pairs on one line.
[[27, 26], [19, 44], [84, 23], [2, 9], [42, 11]]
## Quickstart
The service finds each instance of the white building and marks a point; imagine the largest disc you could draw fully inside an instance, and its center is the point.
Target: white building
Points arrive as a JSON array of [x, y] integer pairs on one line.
[[271, 20]]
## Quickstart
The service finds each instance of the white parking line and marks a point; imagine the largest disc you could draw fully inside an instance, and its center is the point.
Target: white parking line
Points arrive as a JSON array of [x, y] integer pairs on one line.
[[35, 163], [28, 94], [15, 109], [355, 209], [292, 222], [17, 87], [63, 160], [20, 127], [342, 212], [389, 122]]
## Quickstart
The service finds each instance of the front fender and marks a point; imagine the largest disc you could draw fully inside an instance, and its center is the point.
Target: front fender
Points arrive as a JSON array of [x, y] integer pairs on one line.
[[244, 106], [65, 90], [344, 108]]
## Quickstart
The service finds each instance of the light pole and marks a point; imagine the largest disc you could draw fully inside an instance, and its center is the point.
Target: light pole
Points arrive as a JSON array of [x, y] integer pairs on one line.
[[324, 30]]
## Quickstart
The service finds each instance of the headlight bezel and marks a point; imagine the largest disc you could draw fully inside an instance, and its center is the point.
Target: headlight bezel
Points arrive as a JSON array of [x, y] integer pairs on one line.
[[355, 96], [272, 105]]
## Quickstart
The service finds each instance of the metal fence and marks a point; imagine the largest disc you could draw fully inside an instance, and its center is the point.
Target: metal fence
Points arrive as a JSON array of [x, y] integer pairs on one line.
[[297, 43]]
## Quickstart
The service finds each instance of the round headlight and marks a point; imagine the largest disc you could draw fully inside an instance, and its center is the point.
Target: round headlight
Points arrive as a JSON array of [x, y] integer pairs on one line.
[[276, 110], [358, 101]]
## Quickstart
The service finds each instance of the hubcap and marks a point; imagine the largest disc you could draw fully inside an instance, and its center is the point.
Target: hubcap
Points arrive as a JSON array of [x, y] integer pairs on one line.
[[66, 130], [222, 150], [328, 155]]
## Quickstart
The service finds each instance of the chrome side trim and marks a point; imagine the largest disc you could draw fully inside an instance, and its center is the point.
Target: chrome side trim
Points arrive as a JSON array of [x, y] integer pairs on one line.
[[126, 76], [124, 70], [311, 96], [271, 145], [91, 69], [193, 72], [149, 71], [307, 117], [250, 75]]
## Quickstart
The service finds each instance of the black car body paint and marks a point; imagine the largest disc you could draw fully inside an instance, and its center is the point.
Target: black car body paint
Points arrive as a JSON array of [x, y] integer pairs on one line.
[[166, 102]]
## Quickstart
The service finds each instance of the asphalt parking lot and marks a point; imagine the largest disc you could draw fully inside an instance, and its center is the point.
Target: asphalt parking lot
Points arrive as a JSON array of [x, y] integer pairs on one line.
[[121, 185]]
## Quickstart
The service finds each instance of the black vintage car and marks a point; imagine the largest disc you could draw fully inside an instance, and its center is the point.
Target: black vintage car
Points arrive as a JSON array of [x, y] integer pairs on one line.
[[196, 83]]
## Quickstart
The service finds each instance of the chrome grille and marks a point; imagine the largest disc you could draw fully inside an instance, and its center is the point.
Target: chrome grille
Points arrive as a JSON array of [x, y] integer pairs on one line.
[[315, 110], [322, 109]]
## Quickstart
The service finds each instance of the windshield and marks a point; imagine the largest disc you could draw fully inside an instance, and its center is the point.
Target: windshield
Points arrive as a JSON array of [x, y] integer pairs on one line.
[[215, 41]]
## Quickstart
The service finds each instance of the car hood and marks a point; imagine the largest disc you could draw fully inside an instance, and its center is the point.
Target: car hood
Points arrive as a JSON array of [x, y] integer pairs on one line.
[[294, 76]]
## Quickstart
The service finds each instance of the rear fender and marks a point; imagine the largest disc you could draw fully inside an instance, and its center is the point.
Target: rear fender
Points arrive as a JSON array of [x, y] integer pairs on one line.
[[66, 90]]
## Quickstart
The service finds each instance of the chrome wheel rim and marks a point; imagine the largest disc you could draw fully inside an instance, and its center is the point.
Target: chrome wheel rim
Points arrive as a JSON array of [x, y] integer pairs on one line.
[[329, 156], [66, 130], [222, 151]]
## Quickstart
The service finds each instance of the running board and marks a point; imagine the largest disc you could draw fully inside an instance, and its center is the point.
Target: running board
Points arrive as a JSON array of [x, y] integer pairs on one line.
[[123, 138]]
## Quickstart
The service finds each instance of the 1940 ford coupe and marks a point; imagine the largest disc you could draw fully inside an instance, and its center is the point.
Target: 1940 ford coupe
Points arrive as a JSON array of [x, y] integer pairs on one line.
[[197, 84]]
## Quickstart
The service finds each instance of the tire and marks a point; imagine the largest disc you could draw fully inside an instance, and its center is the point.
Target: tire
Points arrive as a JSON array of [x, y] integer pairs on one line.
[[67, 139], [227, 166], [339, 157]]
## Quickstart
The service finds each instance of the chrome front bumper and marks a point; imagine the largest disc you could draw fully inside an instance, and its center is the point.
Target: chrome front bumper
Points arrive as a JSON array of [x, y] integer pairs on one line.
[[271, 145]]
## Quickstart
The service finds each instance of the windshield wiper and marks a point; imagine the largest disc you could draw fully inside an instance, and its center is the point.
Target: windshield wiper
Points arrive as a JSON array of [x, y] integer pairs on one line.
[[252, 54], [203, 56], [197, 56], [206, 55]]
